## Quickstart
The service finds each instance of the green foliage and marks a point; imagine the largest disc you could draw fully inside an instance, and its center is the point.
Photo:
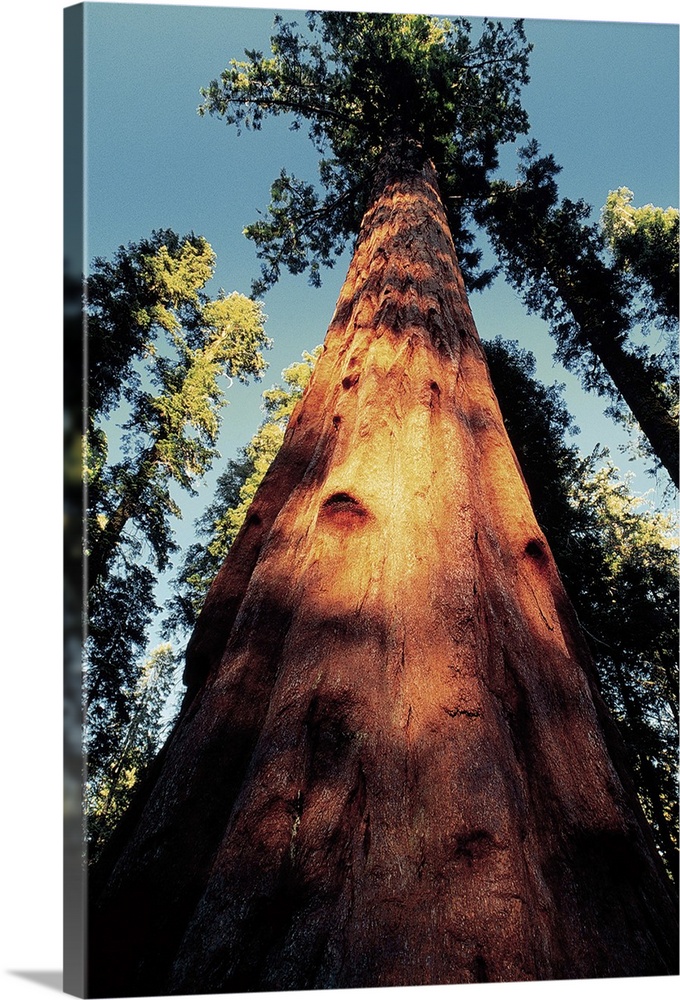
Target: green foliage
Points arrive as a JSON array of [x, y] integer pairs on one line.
[[124, 757], [236, 487], [127, 299], [366, 84], [161, 355], [173, 389], [629, 600], [374, 89], [645, 243], [119, 612]]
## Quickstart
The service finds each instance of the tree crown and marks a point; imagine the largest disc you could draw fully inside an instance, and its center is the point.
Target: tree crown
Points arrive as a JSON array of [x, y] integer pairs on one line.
[[358, 81], [644, 242]]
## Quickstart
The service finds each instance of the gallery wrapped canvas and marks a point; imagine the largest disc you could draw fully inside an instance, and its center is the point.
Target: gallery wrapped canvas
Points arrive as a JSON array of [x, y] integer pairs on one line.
[[378, 678]]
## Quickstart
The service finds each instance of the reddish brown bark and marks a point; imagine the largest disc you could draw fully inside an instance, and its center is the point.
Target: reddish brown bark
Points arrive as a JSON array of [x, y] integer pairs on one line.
[[392, 766]]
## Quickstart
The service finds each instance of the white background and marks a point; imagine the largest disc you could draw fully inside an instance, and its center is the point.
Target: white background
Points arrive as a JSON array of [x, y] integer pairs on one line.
[[30, 368]]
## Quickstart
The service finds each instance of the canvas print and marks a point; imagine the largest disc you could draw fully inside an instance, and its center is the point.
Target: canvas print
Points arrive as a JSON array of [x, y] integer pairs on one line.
[[371, 510]]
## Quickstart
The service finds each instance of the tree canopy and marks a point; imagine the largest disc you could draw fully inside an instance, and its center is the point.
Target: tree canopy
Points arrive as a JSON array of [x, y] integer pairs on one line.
[[363, 83], [368, 84], [644, 242]]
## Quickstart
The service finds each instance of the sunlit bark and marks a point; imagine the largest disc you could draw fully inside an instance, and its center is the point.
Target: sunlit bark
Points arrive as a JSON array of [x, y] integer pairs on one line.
[[392, 766]]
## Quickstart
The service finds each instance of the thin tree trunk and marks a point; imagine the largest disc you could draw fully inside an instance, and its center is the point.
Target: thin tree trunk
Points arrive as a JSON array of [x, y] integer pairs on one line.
[[635, 382], [392, 765], [103, 548]]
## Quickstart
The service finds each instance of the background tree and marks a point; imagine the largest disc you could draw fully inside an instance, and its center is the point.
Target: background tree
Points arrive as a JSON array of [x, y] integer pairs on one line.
[[174, 418], [629, 604], [130, 748], [556, 258], [392, 730], [160, 352]]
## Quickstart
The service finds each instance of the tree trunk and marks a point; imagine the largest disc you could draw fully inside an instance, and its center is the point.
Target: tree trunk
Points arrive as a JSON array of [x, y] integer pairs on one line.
[[103, 547], [634, 380], [392, 765]]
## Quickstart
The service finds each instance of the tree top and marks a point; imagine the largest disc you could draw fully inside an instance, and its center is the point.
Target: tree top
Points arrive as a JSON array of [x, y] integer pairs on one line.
[[356, 80]]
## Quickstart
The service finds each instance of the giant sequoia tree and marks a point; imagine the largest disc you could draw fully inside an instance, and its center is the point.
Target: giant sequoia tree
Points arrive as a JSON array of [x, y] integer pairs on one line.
[[616, 559], [392, 765]]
